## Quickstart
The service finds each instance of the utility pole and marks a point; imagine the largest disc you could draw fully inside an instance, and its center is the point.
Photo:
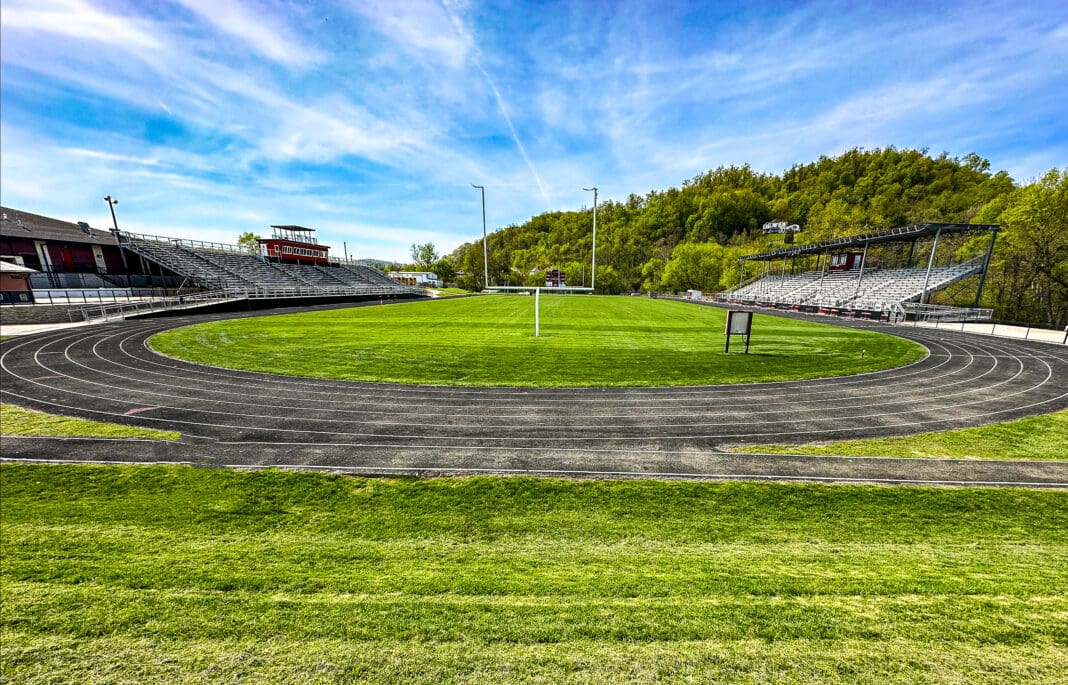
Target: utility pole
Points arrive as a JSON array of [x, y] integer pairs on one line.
[[485, 250], [593, 265]]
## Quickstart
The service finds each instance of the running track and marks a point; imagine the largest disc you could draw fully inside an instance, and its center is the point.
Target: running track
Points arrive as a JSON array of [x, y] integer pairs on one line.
[[236, 418]]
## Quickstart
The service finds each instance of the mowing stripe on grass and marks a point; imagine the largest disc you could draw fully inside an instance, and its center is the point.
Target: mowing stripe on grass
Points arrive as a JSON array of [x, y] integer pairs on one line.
[[585, 341]]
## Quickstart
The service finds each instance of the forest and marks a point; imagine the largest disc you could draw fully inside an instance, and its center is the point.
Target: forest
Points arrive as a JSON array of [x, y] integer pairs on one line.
[[691, 237]]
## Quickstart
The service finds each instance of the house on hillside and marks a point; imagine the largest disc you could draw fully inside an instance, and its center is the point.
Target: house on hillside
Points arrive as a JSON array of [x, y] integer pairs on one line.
[[771, 227]]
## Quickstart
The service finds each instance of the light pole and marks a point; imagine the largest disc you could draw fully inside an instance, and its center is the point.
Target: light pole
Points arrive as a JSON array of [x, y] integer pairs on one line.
[[111, 205], [593, 265], [485, 251]]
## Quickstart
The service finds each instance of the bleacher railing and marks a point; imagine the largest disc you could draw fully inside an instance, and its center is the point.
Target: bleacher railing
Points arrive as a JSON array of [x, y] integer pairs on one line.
[[935, 312], [182, 242], [120, 310]]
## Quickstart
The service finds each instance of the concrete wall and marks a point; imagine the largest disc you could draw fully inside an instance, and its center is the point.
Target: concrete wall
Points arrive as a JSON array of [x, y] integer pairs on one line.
[[40, 313]]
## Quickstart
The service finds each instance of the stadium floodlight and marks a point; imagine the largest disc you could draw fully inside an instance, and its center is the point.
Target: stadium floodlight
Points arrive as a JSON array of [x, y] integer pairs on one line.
[[111, 205], [593, 264], [485, 251]]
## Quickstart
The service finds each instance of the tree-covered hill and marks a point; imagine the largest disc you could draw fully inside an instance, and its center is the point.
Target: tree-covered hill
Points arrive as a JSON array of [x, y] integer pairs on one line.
[[690, 237]]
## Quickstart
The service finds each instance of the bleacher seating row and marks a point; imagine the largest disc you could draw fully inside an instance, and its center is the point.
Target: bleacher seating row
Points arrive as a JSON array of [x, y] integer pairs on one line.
[[221, 269], [877, 289]]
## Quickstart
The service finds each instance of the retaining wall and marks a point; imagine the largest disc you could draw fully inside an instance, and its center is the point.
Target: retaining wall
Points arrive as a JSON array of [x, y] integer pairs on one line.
[[40, 313]]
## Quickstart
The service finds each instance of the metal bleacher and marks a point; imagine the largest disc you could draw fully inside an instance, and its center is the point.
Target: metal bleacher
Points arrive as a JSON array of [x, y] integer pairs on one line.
[[876, 289], [882, 287], [183, 262], [251, 269], [221, 267], [315, 276]]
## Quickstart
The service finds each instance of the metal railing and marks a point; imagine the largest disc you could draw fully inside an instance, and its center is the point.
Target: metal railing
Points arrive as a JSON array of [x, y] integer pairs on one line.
[[126, 237], [67, 296], [262, 293], [942, 313], [121, 310]]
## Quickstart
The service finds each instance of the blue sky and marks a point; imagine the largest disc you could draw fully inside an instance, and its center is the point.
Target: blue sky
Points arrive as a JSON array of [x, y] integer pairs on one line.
[[369, 119]]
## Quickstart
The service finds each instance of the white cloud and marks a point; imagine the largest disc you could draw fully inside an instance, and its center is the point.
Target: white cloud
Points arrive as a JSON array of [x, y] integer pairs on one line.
[[266, 35], [420, 27], [108, 156], [80, 20], [376, 144], [333, 128]]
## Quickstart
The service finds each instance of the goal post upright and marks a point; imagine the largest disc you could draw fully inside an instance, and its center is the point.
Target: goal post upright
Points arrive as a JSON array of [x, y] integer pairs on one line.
[[537, 308]]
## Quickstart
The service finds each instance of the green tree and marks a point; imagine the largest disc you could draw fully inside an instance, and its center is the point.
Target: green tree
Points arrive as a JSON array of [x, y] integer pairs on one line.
[[609, 281], [1030, 268], [424, 255], [652, 274], [249, 242], [695, 266], [444, 268], [534, 279], [857, 191]]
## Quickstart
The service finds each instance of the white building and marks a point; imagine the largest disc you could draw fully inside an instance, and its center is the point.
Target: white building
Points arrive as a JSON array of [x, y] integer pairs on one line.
[[427, 279], [780, 227]]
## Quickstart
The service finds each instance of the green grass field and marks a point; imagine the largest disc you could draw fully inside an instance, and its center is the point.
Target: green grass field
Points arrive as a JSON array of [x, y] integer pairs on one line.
[[585, 341], [1038, 437], [175, 574], [18, 421]]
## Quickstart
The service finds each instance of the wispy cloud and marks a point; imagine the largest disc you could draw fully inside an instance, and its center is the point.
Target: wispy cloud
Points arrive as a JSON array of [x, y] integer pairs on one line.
[[266, 35], [422, 27], [461, 30], [77, 19], [369, 118]]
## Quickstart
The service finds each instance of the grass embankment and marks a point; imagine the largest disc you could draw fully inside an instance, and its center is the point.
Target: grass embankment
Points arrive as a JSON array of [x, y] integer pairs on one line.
[[18, 421], [1036, 438], [585, 341], [177, 574]]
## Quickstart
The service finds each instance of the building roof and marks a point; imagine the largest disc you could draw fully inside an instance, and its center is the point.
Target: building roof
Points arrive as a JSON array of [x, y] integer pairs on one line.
[[902, 234], [10, 268], [15, 223]]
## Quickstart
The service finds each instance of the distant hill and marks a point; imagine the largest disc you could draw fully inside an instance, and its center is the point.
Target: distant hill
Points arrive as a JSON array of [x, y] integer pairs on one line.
[[718, 215], [379, 264]]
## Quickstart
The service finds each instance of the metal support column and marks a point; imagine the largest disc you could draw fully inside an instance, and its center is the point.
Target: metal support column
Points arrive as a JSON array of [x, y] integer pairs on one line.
[[986, 267], [860, 277], [819, 292], [930, 263]]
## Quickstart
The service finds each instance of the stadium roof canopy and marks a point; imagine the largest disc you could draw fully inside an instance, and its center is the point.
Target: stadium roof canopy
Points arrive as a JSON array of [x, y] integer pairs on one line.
[[290, 227], [15, 223], [902, 234]]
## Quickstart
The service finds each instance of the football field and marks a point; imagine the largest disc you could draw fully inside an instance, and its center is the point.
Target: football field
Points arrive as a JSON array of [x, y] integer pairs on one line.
[[583, 341]]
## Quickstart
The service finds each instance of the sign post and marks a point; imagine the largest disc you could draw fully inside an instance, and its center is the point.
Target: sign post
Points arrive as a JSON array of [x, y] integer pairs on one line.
[[738, 323]]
